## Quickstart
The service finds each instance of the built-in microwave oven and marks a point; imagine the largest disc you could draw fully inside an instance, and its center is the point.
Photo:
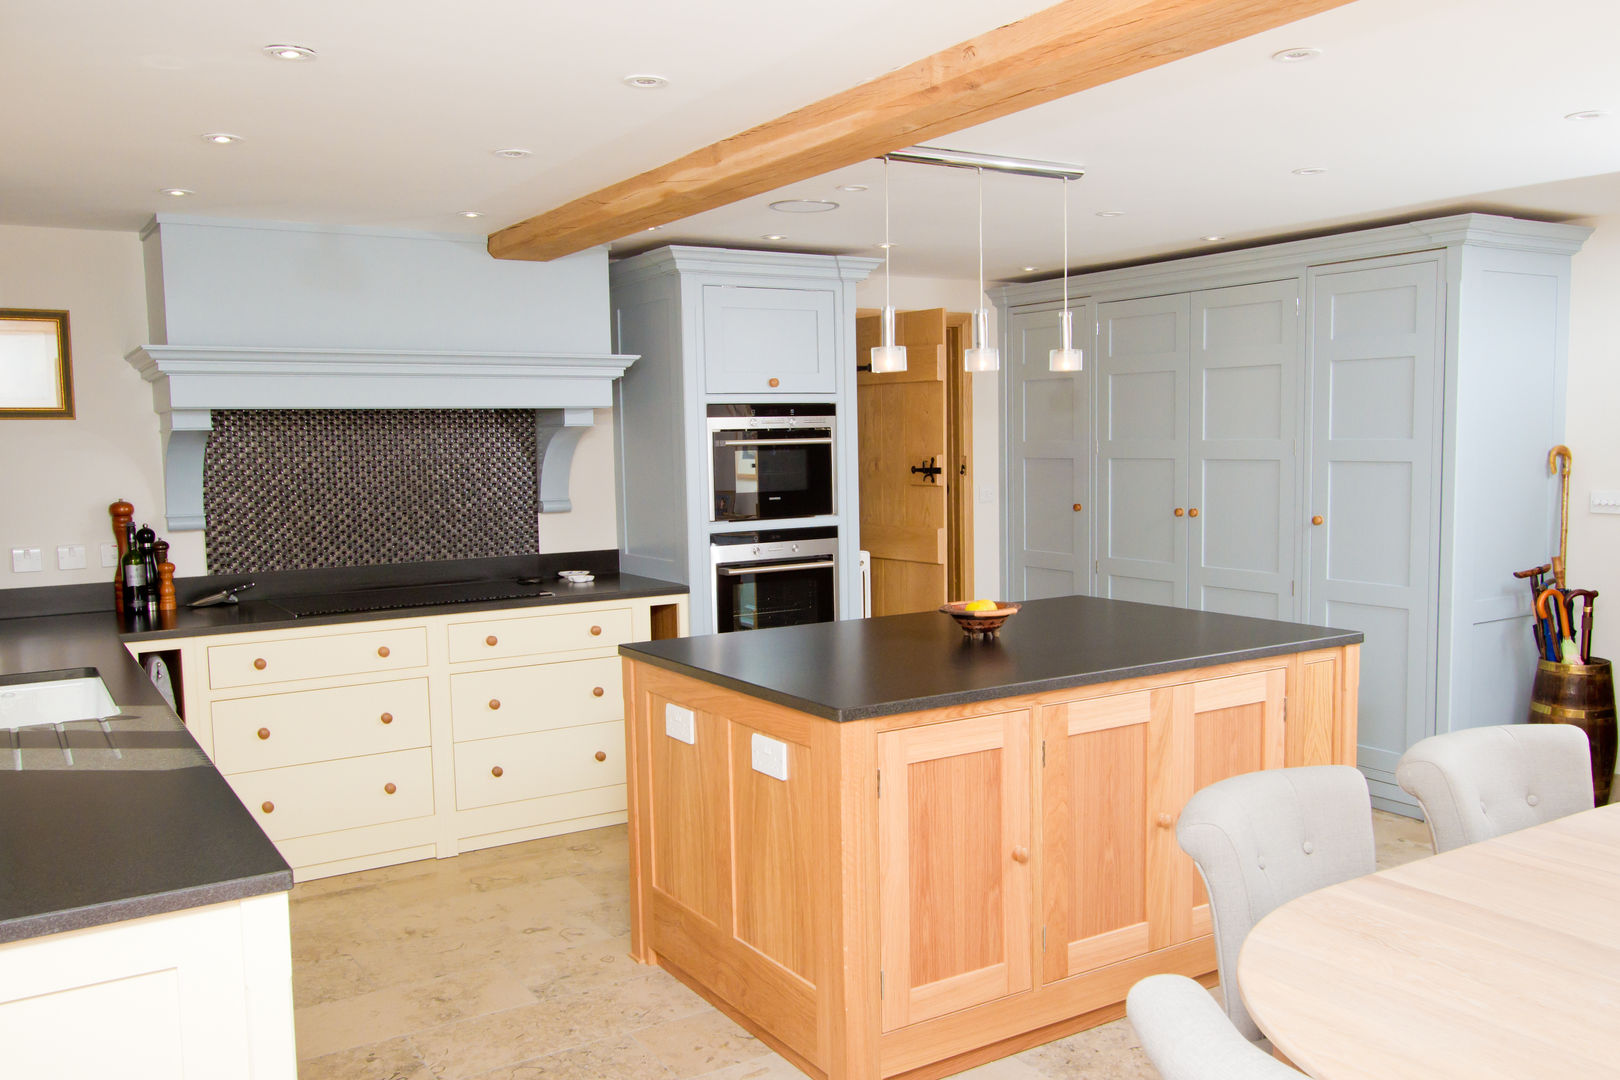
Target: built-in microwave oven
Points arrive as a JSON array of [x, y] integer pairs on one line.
[[771, 461], [776, 577]]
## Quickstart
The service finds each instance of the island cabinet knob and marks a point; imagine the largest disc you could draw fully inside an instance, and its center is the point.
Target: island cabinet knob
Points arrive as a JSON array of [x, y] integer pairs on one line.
[[1165, 821], [774, 383], [497, 771], [1316, 519], [597, 691], [264, 733], [259, 664], [1020, 854], [1193, 512], [1078, 508], [494, 703], [492, 641], [596, 631], [601, 755], [389, 788], [387, 718], [1179, 511], [382, 651], [267, 806]]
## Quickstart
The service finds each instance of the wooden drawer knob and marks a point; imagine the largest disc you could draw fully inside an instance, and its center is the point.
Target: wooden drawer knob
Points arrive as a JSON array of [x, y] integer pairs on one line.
[[492, 641], [387, 718], [1193, 512], [596, 631], [259, 663], [389, 789], [601, 755], [267, 806], [1179, 511], [1316, 519], [1078, 508], [774, 383], [1165, 821], [264, 733], [494, 703], [1020, 854], [496, 771], [382, 651], [597, 691]]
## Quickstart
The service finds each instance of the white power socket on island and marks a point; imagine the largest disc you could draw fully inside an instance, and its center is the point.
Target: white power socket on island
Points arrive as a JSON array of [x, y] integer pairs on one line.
[[770, 756], [680, 724]]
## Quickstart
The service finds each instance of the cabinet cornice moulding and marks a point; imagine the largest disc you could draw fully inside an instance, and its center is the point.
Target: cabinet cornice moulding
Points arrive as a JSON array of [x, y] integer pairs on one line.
[[748, 266], [189, 382]]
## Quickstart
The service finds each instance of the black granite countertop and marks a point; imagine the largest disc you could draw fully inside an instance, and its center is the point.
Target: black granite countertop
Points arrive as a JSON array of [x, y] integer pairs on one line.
[[903, 663]]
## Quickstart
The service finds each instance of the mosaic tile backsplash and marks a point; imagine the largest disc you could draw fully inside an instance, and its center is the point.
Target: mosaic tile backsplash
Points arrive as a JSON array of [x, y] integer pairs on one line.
[[301, 489]]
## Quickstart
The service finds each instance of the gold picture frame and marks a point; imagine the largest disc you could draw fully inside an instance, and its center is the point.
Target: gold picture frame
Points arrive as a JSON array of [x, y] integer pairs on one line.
[[36, 367]]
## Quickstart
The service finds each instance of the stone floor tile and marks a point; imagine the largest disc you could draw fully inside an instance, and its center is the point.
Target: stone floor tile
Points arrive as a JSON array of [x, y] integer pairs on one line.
[[1108, 1052], [609, 1059], [700, 1043], [399, 1010], [395, 1059], [770, 1067]]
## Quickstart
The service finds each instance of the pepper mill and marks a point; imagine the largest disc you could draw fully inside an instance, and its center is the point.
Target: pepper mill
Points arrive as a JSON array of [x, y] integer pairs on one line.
[[166, 601], [122, 514]]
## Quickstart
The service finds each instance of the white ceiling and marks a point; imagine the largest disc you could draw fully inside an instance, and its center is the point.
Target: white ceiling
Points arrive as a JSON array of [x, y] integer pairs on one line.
[[1412, 107]]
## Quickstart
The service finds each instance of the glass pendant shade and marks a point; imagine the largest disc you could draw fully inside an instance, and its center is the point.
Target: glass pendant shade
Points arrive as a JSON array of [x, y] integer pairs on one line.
[[1066, 358], [888, 356], [981, 357]]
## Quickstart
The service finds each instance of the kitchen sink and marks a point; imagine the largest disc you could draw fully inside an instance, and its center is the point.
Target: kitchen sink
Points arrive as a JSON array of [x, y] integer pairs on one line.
[[54, 697]]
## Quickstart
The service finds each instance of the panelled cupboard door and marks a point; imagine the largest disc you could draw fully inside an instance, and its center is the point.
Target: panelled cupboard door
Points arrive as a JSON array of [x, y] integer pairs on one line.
[[1049, 430], [1242, 521], [769, 341], [954, 850], [1375, 382], [1142, 417]]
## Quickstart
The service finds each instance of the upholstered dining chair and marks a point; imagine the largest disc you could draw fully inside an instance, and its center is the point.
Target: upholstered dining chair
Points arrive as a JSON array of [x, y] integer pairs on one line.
[[1185, 1036], [1482, 782], [1263, 838]]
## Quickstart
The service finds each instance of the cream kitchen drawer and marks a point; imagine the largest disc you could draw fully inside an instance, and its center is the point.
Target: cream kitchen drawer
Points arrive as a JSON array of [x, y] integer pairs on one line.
[[327, 796], [276, 730], [511, 701], [257, 663], [488, 639], [515, 767]]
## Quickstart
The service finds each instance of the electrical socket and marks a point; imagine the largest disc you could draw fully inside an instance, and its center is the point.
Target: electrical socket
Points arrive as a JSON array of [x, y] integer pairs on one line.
[[70, 556], [26, 561], [680, 724], [770, 756], [109, 555]]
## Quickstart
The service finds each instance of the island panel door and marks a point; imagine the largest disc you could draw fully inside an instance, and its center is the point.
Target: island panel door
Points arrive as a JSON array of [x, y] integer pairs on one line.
[[954, 855], [1108, 786], [1233, 725], [1142, 417]]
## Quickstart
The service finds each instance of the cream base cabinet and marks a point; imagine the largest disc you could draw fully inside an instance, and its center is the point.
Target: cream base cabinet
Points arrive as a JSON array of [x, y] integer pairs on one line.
[[1350, 430], [200, 994], [366, 744]]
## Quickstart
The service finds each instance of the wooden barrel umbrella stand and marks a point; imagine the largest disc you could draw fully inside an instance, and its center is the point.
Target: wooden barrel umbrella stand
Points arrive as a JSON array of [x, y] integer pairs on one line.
[[1583, 695]]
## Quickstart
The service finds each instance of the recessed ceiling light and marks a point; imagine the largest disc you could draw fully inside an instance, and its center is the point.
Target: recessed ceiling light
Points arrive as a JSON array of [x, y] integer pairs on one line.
[[1312, 170], [221, 138], [654, 228], [471, 213], [1296, 55], [851, 187], [803, 206], [773, 236], [290, 52], [885, 245], [1212, 238], [646, 82], [1586, 114], [512, 152], [177, 192], [1110, 213], [1029, 269]]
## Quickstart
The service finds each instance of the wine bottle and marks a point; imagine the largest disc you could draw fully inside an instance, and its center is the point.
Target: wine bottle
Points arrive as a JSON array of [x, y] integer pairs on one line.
[[134, 568]]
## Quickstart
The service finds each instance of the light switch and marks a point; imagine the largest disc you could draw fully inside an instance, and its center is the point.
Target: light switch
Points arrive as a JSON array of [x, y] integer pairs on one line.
[[987, 495], [26, 561], [1606, 502], [680, 724], [770, 756], [70, 556], [109, 554]]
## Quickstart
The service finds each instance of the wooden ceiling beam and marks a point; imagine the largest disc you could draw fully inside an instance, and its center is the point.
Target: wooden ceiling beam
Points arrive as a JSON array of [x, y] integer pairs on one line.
[[1066, 48]]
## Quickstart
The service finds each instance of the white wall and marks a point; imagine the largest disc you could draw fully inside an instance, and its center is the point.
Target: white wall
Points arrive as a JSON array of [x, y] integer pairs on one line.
[[920, 293], [1592, 428], [60, 475]]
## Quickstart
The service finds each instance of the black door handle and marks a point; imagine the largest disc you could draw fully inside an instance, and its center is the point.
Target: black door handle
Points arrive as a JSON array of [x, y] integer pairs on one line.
[[930, 470]]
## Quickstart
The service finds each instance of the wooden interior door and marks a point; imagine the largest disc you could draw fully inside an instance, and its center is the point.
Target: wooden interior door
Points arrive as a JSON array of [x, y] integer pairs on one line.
[[902, 419], [1108, 776], [954, 851]]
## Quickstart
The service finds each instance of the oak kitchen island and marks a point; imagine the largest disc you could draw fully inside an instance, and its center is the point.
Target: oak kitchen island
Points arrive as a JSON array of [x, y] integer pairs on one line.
[[889, 850]]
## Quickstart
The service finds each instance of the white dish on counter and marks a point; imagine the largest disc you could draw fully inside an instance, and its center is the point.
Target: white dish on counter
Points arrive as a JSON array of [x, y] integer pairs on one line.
[[578, 577]]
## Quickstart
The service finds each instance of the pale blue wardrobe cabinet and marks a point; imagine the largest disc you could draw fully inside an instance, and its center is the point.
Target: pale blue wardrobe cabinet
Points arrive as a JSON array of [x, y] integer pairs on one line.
[[1350, 430]]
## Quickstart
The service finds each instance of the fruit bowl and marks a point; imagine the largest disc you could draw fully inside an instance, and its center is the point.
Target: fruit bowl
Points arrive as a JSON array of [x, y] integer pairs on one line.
[[985, 623]]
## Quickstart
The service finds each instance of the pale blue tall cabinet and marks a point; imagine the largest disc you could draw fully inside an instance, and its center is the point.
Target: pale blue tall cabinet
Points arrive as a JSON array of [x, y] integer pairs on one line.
[[1349, 430]]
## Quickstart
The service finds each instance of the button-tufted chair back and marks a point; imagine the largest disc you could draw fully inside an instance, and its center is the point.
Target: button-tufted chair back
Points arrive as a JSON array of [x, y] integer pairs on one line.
[[1482, 782], [1263, 838]]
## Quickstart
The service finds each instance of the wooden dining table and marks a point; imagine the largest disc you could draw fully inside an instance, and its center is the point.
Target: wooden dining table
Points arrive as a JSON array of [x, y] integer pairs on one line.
[[1498, 959]]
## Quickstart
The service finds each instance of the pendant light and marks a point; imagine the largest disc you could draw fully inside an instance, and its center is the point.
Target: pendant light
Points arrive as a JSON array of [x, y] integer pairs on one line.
[[983, 356], [887, 356], [1066, 357]]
